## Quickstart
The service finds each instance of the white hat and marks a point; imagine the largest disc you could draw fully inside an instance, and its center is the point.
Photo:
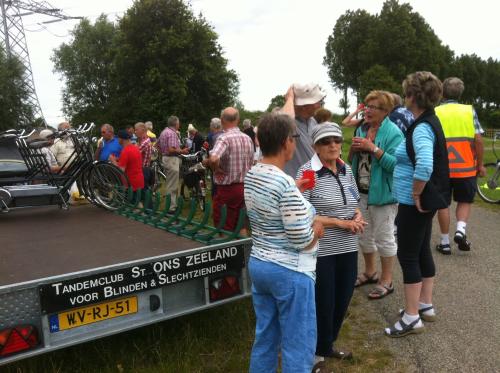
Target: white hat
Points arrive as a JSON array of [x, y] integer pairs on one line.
[[44, 134], [191, 128], [307, 94], [326, 129]]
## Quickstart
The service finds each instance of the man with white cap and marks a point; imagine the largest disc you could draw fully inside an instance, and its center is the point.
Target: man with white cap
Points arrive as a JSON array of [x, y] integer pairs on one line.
[[306, 99]]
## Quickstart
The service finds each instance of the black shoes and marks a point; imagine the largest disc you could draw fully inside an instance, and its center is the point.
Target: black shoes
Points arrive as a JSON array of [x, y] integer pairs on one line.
[[444, 249], [461, 240]]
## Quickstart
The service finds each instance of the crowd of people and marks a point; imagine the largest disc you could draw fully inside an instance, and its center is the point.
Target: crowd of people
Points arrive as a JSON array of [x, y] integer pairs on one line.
[[310, 209]]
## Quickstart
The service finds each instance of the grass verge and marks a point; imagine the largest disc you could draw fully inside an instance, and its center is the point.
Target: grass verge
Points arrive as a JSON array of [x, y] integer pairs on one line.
[[215, 340]]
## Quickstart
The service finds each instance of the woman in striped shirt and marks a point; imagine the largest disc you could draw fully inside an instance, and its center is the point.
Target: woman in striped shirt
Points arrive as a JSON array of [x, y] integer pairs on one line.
[[335, 198], [283, 257]]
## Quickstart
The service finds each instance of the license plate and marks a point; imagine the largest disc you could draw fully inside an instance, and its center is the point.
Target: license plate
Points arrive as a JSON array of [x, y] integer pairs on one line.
[[92, 314]]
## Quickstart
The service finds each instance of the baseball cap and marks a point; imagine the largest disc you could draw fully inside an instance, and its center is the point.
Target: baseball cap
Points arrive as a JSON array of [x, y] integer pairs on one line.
[[326, 129], [123, 134], [45, 134], [307, 94]]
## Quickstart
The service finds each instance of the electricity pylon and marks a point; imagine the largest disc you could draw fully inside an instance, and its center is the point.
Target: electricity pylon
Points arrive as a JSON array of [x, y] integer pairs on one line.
[[14, 40]]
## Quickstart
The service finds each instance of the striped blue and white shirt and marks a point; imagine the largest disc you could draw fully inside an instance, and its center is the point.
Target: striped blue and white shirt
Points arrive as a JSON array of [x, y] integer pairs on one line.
[[334, 196], [404, 172], [280, 219]]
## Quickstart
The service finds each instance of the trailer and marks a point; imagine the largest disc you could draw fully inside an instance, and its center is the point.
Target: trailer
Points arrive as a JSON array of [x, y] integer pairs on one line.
[[68, 277]]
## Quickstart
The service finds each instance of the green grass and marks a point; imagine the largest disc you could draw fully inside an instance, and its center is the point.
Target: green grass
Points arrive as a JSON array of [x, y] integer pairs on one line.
[[215, 340]]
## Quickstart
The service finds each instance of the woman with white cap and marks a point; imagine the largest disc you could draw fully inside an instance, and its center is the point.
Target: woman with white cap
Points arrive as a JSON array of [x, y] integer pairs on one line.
[[335, 198]]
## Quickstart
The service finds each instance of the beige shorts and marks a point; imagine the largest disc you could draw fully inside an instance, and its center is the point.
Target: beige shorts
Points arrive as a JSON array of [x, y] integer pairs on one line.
[[379, 233]]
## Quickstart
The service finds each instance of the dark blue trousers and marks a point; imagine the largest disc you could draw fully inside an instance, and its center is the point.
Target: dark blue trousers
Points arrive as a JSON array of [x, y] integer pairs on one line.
[[335, 278]]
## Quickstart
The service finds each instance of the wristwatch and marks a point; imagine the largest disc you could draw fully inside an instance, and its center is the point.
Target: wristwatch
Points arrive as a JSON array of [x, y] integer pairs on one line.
[[375, 149]]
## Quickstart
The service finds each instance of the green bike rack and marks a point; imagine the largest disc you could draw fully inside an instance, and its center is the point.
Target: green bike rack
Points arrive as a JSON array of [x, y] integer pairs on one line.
[[125, 205], [151, 204], [234, 234], [173, 217], [205, 236], [191, 229], [130, 212], [176, 228], [158, 218]]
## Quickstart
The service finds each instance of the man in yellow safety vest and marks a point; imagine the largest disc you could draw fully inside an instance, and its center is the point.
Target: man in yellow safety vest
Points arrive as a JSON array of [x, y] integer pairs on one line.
[[464, 142]]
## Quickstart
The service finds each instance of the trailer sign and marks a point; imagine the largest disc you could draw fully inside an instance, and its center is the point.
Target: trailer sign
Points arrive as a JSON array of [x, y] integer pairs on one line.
[[98, 288]]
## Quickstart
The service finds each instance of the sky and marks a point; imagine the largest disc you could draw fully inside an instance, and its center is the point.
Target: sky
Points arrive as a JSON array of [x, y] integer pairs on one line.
[[271, 44]]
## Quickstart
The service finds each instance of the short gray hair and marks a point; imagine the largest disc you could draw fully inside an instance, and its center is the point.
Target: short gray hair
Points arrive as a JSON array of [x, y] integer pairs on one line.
[[63, 126], [141, 126], [172, 121], [247, 123], [215, 124], [108, 127], [149, 125], [453, 88]]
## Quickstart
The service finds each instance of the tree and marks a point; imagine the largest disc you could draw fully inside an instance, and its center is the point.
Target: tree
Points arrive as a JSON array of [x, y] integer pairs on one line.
[[350, 49], [276, 101], [398, 39], [13, 93], [378, 77], [87, 65], [170, 62], [159, 60]]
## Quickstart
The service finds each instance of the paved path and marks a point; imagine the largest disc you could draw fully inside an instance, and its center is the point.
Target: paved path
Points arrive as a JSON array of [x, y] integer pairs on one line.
[[466, 336]]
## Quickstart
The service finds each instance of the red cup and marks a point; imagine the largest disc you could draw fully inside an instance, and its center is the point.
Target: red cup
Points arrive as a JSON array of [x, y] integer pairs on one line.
[[361, 106], [310, 176]]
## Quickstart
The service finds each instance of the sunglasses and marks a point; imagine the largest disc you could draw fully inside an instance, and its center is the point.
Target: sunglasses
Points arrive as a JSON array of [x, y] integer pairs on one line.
[[373, 107], [329, 140]]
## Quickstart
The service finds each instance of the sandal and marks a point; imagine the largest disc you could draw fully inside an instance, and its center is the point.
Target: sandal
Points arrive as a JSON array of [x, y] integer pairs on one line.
[[339, 354], [381, 291], [364, 279], [423, 316], [320, 367], [406, 329], [444, 249]]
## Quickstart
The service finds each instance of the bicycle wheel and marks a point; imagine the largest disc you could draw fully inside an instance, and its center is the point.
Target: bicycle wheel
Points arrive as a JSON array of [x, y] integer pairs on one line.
[[159, 179], [83, 185], [488, 186], [108, 185]]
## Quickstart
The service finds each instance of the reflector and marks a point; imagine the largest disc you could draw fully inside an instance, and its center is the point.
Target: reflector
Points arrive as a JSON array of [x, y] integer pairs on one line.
[[225, 287], [19, 338]]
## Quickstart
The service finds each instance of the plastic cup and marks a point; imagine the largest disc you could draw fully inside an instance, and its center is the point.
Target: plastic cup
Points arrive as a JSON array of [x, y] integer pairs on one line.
[[310, 176]]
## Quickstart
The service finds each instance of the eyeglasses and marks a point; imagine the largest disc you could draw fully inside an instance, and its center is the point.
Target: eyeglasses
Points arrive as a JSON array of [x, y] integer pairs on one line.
[[373, 107], [329, 140]]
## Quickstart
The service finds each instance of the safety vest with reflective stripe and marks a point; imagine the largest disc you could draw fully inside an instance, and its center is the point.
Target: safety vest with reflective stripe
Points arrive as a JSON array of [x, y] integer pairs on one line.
[[457, 121]]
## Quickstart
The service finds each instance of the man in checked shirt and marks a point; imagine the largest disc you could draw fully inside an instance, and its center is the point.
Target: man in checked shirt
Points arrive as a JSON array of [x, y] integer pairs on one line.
[[144, 143], [230, 159]]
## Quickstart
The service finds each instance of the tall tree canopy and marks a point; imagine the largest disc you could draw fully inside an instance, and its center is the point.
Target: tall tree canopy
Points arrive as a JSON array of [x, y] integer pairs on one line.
[[160, 60], [87, 66], [13, 93], [366, 52]]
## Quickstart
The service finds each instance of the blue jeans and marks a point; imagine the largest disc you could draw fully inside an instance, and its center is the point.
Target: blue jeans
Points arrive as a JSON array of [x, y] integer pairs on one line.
[[284, 306]]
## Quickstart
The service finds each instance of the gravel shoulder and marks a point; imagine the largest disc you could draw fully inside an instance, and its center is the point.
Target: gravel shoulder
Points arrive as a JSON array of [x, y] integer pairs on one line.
[[466, 336]]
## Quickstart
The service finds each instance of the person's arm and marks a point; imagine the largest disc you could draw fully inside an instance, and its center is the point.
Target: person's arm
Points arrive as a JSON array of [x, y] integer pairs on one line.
[[386, 156], [98, 151], [423, 143], [213, 161], [350, 121], [289, 107], [479, 150]]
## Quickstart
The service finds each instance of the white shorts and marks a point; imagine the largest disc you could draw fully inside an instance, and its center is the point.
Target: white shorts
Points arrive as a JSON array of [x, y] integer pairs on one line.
[[379, 233]]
